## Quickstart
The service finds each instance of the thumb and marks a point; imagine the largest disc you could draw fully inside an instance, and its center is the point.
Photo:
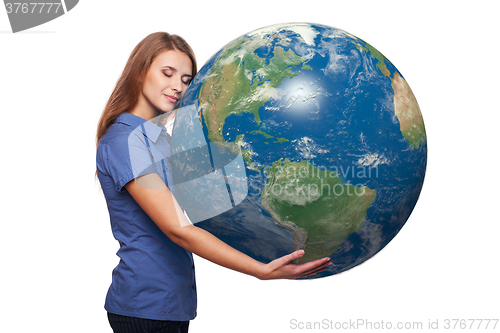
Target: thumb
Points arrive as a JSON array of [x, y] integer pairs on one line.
[[297, 254], [290, 257]]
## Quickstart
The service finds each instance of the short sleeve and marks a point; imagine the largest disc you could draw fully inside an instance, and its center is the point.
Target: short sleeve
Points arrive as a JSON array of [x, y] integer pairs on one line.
[[125, 158]]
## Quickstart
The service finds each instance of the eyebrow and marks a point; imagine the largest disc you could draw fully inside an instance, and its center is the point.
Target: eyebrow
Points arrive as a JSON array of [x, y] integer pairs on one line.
[[175, 70]]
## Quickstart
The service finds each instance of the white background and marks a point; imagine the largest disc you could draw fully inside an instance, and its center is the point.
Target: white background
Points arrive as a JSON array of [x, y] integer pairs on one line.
[[57, 251]]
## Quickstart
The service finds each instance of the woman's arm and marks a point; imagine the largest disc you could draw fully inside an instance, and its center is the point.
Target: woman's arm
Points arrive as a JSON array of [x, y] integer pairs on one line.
[[157, 201]]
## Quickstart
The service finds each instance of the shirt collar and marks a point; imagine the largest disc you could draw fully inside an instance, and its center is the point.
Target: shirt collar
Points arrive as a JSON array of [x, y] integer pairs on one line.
[[149, 129]]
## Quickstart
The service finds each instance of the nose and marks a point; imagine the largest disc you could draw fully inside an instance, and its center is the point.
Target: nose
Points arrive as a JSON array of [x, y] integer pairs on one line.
[[177, 86]]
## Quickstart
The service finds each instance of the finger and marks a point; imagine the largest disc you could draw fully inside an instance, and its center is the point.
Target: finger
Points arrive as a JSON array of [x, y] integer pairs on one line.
[[319, 265], [313, 264], [315, 271], [289, 258]]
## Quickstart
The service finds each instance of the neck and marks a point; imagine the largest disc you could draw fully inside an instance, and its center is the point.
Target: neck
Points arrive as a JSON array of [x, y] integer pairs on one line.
[[144, 110]]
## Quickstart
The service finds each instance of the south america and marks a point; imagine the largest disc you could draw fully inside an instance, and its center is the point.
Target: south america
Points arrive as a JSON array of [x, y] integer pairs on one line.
[[315, 206]]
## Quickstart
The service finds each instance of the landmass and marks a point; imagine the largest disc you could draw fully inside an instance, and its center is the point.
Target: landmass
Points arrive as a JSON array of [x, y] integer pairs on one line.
[[262, 133], [237, 148], [411, 122], [268, 136], [240, 81], [315, 206], [408, 112], [377, 55]]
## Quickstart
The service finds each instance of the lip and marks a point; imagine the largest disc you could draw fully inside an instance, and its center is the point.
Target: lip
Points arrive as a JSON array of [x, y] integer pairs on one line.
[[171, 98]]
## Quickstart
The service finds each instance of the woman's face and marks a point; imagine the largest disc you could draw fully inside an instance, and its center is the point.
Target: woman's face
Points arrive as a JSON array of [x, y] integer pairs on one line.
[[166, 81]]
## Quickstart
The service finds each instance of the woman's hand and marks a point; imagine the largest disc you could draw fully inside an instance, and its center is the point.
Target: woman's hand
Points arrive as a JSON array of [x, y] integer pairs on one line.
[[283, 268], [157, 201]]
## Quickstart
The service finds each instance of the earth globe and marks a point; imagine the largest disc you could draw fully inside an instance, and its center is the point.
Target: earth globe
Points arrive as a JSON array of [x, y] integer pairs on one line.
[[299, 136]]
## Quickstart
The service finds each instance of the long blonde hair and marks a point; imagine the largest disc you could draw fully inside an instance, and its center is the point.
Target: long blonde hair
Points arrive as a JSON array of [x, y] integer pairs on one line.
[[127, 90]]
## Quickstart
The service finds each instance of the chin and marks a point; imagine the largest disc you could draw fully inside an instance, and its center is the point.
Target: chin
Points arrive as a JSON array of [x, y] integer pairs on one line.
[[167, 110], [167, 113]]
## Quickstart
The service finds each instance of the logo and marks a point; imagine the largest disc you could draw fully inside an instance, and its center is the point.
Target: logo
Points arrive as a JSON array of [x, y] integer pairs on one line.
[[26, 15], [209, 177], [206, 178]]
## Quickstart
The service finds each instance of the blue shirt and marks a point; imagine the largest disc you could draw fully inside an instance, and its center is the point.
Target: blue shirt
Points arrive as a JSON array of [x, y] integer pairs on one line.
[[155, 277]]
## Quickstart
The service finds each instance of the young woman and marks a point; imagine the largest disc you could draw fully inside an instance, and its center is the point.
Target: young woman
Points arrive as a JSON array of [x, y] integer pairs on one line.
[[153, 286]]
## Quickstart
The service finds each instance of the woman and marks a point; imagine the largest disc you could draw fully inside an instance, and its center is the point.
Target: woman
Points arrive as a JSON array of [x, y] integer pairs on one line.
[[153, 286]]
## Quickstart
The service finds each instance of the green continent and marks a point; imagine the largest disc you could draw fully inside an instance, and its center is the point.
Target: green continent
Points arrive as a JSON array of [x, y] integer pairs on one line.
[[315, 205], [241, 81]]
